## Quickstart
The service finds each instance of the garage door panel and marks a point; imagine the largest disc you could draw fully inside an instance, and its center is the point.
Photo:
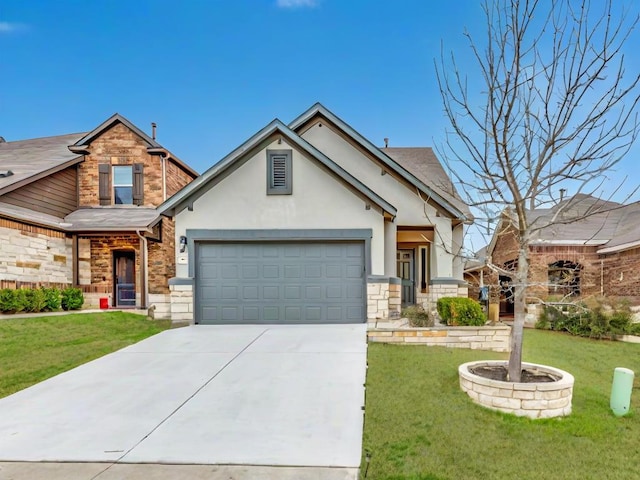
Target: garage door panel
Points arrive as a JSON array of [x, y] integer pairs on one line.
[[229, 272], [312, 271], [292, 292], [271, 292], [209, 271], [304, 282], [271, 271], [334, 292], [271, 314], [229, 292], [251, 313], [250, 292], [208, 292], [353, 292], [250, 272], [229, 251], [230, 314], [292, 271], [313, 292], [313, 314], [292, 314]]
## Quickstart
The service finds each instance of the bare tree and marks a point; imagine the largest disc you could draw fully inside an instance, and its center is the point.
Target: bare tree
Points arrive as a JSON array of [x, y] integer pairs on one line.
[[556, 108]]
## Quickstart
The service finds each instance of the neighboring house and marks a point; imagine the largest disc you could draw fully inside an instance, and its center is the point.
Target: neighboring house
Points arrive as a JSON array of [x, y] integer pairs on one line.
[[79, 210], [309, 223], [598, 254]]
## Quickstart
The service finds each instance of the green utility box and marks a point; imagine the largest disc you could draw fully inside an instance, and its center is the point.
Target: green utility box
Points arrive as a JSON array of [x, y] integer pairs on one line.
[[621, 391]]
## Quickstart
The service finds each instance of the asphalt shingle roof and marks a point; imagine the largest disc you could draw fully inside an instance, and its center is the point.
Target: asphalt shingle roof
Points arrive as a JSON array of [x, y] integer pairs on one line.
[[127, 218], [423, 164], [29, 158]]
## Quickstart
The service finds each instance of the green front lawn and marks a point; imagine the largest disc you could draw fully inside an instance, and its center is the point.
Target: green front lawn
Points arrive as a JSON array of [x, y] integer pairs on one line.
[[34, 349], [419, 425]]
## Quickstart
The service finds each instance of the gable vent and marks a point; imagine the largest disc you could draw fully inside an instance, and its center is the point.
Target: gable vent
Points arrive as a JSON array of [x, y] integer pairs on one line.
[[279, 171]]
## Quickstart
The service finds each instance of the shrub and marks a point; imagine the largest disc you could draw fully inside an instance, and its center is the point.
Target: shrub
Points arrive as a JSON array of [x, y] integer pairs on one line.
[[21, 299], [460, 311], [72, 299], [35, 300], [597, 318], [51, 299], [417, 316], [7, 300]]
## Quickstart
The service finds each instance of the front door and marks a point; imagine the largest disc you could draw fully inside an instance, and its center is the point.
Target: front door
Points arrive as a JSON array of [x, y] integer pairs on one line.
[[405, 271], [124, 264]]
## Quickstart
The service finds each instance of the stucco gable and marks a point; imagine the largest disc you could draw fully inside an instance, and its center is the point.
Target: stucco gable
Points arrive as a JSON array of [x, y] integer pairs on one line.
[[449, 205], [229, 164]]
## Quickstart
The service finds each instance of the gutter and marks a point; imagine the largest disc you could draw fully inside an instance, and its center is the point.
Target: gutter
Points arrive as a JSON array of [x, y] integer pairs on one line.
[[618, 248]]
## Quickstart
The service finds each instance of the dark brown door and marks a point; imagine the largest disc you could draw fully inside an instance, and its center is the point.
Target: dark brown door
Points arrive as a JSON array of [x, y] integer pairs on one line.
[[124, 264], [405, 271]]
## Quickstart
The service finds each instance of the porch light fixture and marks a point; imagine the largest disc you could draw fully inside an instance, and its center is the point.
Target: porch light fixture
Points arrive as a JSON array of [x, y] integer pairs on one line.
[[183, 243]]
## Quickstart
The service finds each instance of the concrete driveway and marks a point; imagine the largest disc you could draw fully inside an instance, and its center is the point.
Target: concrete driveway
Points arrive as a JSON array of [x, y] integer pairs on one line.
[[202, 395]]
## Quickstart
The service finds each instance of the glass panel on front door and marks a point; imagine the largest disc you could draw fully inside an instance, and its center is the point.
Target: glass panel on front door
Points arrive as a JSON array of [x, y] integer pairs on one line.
[[405, 271], [124, 278]]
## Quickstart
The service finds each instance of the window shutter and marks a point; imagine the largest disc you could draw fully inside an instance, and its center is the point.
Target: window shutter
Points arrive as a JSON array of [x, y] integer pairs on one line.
[[104, 181], [138, 184]]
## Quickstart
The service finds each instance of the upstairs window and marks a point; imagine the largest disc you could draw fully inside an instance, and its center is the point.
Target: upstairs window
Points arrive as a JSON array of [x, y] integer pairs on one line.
[[121, 184], [279, 172]]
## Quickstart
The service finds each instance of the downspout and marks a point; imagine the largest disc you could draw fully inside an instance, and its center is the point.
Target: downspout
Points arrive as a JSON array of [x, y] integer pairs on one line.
[[163, 160], [601, 277], [145, 271]]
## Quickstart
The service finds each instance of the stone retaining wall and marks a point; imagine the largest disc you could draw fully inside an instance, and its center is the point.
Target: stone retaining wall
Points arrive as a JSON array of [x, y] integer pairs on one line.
[[494, 338], [533, 400]]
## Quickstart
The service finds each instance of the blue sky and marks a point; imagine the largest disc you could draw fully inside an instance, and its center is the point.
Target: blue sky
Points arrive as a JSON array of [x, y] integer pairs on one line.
[[212, 73]]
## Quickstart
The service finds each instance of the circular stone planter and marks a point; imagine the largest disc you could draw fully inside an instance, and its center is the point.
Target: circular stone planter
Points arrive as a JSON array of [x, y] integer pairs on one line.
[[533, 400]]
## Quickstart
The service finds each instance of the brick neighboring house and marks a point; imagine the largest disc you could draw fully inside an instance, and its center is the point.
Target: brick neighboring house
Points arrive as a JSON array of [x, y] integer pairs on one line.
[[599, 254], [79, 210]]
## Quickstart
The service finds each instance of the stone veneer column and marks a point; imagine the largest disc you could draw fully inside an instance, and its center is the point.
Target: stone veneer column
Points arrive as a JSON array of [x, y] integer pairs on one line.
[[383, 298], [395, 302], [445, 287], [181, 300]]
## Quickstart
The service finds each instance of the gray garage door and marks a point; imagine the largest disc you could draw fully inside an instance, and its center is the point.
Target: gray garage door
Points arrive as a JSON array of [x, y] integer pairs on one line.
[[279, 282]]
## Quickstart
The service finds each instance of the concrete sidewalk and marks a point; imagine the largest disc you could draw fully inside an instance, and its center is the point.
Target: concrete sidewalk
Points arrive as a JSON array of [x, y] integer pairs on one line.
[[101, 471], [202, 395]]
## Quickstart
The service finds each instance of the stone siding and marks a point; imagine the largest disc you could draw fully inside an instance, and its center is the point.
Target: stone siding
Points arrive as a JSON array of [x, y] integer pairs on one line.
[[177, 178], [181, 303], [34, 255], [494, 338], [102, 249], [383, 298], [161, 305], [119, 146], [162, 263]]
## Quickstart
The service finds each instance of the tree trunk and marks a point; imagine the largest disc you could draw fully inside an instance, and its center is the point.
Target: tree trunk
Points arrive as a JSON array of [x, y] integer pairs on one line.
[[519, 315]]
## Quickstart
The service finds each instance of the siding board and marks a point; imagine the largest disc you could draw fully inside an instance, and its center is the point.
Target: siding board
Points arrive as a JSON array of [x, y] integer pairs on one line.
[[54, 195]]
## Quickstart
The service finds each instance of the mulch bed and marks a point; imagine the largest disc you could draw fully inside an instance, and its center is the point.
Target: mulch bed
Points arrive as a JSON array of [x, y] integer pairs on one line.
[[499, 372]]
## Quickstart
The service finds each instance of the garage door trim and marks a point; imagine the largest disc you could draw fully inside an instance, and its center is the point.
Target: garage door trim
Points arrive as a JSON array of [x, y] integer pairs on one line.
[[198, 237], [316, 235]]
